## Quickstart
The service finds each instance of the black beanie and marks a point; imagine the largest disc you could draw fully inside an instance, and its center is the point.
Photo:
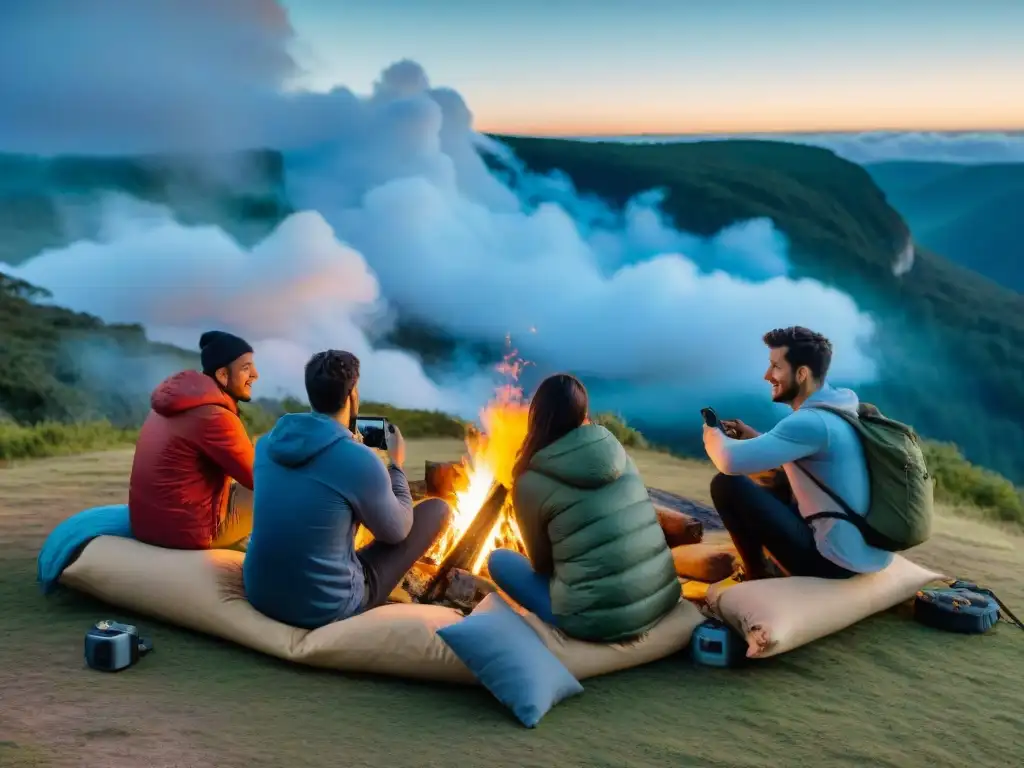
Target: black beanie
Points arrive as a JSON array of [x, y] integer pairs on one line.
[[219, 348]]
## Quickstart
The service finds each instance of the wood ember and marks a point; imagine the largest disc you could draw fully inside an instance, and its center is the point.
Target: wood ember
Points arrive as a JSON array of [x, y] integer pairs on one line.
[[418, 579], [473, 540], [508, 538], [443, 479], [679, 528]]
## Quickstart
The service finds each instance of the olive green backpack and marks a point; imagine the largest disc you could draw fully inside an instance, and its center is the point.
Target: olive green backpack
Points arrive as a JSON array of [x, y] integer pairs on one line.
[[902, 493]]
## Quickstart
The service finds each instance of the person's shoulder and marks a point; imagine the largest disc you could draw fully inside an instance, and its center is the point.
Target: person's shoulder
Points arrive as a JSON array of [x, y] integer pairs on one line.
[[356, 455], [803, 423], [215, 416]]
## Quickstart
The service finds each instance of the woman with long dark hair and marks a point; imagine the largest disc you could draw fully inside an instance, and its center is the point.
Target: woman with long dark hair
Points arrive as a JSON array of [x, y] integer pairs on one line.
[[598, 566]]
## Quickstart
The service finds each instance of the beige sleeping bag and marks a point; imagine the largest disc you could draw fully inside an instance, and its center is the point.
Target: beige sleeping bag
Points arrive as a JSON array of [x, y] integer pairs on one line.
[[778, 615], [202, 591]]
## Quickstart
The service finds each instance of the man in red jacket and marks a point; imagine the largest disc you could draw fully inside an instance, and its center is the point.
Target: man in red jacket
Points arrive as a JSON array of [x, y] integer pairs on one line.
[[190, 447]]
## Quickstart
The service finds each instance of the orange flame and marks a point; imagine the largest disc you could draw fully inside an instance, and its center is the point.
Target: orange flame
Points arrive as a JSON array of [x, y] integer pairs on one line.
[[491, 455]]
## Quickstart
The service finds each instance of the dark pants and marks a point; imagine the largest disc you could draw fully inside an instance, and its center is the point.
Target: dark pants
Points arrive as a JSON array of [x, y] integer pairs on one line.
[[385, 565], [757, 520], [513, 575], [235, 527]]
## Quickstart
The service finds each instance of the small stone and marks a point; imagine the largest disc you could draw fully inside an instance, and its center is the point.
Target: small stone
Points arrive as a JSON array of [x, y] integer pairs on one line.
[[465, 589]]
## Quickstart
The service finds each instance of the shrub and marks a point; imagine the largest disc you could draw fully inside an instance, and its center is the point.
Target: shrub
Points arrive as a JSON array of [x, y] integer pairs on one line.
[[59, 439], [259, 416], [416, 423], [625, 434], [959, 481]]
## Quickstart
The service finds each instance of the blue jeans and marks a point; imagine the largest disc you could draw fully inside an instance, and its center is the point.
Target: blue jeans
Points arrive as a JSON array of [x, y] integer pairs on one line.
[[515, 577], [756, 520]]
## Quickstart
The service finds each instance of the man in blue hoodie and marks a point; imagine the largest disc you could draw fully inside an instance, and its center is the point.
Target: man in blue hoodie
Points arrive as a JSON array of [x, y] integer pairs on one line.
[[314, 484], [810, 439]]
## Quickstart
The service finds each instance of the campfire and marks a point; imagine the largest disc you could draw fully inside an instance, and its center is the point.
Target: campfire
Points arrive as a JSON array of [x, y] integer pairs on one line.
[[454, 571], [478, 486]]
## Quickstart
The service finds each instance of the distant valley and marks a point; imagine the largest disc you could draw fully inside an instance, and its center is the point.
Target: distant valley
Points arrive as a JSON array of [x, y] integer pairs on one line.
[[972, 214]]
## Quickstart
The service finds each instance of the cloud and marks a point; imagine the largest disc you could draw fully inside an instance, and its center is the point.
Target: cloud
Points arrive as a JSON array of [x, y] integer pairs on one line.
[[399, 213], [119, 76], [931, 146], [479, 274], [296, 292], [968, 148]]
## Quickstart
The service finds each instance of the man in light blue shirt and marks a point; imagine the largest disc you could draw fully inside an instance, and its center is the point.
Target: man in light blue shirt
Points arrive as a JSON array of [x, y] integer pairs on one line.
[[809, 440]]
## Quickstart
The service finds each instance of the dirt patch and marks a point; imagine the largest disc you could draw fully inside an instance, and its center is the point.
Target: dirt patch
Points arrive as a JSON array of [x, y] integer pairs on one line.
[[98, 728]]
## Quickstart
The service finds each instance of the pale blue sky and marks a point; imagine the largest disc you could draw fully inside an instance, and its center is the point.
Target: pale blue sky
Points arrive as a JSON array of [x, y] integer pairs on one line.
[[676, 66]]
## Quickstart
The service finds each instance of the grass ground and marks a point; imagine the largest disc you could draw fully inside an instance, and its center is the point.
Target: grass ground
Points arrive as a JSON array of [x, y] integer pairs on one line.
[[886, 692]]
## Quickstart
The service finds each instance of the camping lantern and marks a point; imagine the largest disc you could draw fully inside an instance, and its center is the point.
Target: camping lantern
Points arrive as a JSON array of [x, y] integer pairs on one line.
[[715, 644]]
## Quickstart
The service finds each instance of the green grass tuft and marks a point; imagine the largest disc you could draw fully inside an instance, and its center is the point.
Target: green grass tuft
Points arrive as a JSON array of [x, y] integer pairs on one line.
[[958, 482], [59, 439]]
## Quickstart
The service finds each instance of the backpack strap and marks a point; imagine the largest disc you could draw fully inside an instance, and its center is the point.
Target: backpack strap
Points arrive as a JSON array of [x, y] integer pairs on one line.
[[847, 512]]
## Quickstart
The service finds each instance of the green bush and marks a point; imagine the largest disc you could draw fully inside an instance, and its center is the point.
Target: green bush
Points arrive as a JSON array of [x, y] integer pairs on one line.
[[625, 434], [259, 417], [957, 481], [415, 423], [58, 439]]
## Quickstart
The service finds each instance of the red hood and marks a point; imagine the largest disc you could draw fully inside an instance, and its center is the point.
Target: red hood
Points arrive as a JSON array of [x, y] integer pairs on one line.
[[187, 390]]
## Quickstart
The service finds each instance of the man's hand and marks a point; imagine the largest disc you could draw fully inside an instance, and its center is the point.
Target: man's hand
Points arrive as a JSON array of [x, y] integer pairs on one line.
[[396, 445], [738, 430]]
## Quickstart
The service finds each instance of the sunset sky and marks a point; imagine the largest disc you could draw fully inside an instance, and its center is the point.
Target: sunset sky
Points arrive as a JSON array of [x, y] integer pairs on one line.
[[687, 66]]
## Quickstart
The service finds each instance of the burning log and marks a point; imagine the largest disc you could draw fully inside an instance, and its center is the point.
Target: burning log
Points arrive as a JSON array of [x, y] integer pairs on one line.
[[466, 550], [679, 527]]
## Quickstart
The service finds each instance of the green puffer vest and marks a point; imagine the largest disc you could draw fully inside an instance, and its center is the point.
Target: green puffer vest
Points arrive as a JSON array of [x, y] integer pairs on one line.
[[585, 514]]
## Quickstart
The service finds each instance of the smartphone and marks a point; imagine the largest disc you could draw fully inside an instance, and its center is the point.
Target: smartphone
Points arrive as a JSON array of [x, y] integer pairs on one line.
[[711, 418], [373, 430]]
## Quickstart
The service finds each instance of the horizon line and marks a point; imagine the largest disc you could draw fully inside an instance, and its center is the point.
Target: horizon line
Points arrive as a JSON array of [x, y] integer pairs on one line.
[[769, 132]]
